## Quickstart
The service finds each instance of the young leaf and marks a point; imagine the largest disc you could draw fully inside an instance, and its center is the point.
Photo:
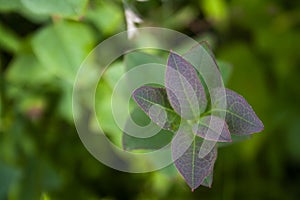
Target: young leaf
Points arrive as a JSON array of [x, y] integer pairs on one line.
[[184, 89], [193, 168], [159, 140], [212, 128], [240, 117], [154, 102]]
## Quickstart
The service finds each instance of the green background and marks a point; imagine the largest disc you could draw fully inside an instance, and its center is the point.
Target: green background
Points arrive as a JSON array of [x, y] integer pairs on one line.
[[42, 44]]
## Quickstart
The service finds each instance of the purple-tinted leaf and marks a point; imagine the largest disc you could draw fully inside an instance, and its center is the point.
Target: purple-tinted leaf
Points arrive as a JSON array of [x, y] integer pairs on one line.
[[184, 89], [154, 102], [202, 58], [240, 117], [212, 128], [187, 161], [208, 180]]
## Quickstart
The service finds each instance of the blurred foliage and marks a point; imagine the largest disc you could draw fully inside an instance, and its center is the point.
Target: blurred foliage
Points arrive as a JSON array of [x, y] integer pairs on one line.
[[42, 44]]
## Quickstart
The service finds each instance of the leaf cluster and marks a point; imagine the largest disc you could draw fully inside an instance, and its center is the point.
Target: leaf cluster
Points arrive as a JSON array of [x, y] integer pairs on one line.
[[198, 123]]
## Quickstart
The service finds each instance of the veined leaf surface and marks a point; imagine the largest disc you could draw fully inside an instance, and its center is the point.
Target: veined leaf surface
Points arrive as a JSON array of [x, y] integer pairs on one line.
[[240, 116], [184, 89], [212, 128], [154, 102], [185, 152]]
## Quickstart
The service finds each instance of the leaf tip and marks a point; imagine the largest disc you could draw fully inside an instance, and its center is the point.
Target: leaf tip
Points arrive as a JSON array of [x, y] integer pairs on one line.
[[261, 126]]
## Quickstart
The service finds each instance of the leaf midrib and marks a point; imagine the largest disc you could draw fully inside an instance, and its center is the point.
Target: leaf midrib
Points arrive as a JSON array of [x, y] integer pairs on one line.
[[159, 105], [193, 161], [221, 110], [184, 91]]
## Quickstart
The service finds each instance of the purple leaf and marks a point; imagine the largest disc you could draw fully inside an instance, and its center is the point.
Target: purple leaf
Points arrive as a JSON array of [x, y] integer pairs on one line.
[[208, 180], [212, 128], [184, 89], [154, 102], [240, 117], [187, 161]]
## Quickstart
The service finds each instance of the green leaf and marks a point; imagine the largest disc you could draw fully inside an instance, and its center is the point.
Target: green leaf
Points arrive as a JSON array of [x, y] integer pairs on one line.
[[104, 112], [103, 104], [137, 58], [9, 40], [225, 69], [6, 5], [107, 17], [62, 47], [159, 140], [35, 73], [154, 102], [65, 8]]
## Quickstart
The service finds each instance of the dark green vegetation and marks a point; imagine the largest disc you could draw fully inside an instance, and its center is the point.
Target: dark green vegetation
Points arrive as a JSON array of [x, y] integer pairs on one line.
[[42, 46]]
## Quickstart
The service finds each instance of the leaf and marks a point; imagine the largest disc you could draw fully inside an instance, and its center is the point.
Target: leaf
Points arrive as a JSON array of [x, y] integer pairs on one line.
[[61, 52], [208, 180], [106, 16], [202, 58], [149, 62], [104, 115], [193, 168], [154, 102], [66, 8], [225, 69], [35, 73], [9, 40], [159, 140], [9, 5], [136, 58], [212, 128], [184, 89], [240, 117]]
